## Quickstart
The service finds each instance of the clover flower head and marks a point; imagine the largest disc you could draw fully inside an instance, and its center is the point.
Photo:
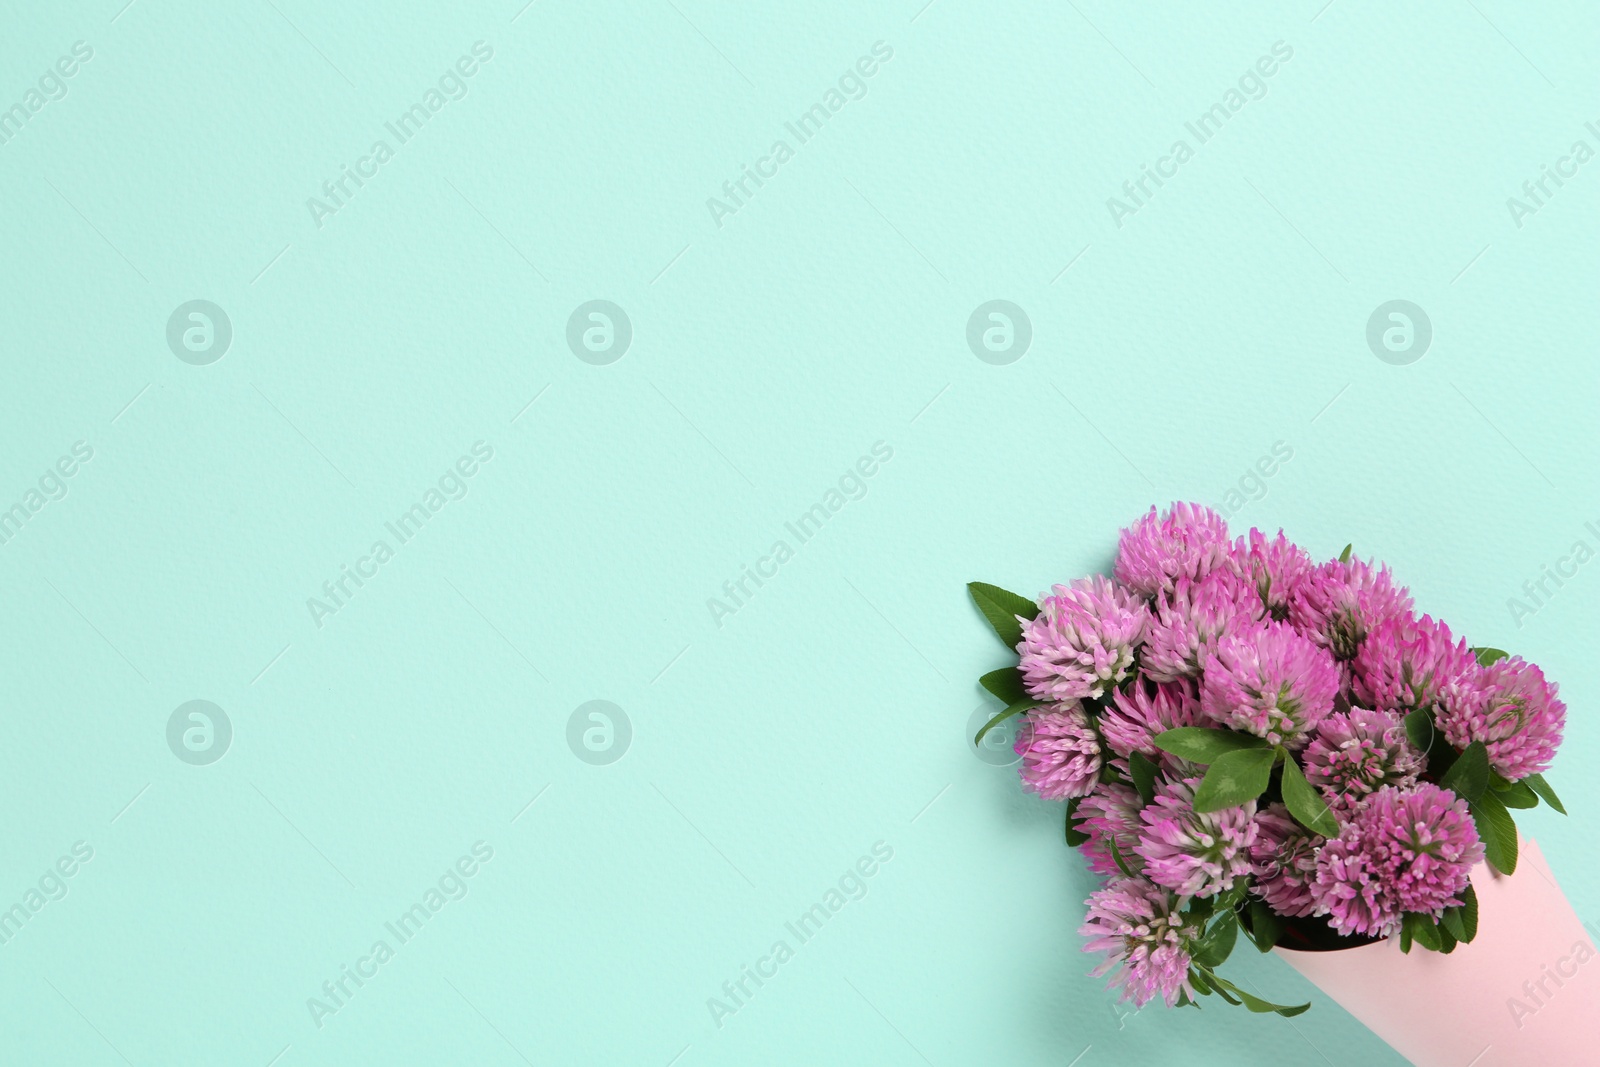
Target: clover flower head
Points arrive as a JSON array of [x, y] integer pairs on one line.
[[1186, 541], [1510, 707], [1408, 663], [1339, 603], [1194, 854], [1274, 567], [1403, 850], [1145, 939], [1082, 641], [1284, 862], [1110, 815], [1137, 714], [1269, 681], [1060, 752], [1356, 752], [1189, 619]]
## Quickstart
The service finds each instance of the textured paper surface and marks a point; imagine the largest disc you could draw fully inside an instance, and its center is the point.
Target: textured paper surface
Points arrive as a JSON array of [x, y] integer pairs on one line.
[[1211, 346]]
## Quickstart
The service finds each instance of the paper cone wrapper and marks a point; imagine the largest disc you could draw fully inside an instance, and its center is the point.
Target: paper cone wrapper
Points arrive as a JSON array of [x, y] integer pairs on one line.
[[1525, 992]]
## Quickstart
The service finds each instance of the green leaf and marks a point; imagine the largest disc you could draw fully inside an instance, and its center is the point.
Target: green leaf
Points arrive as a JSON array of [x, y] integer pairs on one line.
[[1143, 773], [1014, 709], [1419, 730], [1215, 947], [1075, 836], [1255, 1003], [1231, 898], [1221, 987], [1005, 683], [1344, 557], [1203, 744], [1469, 775], [1422, 929], [1518, 795], [1305, 803], [1200, 909], [1235, 778], [1405, 938], [1498, 831], [1469, 912], [1451, 921], [1260, 1007], [1001, 608], [1487, 656], [1199, 983], [1447, 940], [1537, 783], [1116, 854], [1428, 739], [1265, 926]]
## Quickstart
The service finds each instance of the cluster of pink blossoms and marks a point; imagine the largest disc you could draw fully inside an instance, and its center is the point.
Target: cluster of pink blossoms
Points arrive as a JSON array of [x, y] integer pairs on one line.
[[1321, 662]]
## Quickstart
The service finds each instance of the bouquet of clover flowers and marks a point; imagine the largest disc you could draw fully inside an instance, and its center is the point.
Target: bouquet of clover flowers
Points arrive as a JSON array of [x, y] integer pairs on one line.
[[1249, 740]]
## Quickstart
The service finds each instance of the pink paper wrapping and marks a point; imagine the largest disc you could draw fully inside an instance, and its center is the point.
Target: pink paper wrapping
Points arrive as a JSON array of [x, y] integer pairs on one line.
[[1526, 991]]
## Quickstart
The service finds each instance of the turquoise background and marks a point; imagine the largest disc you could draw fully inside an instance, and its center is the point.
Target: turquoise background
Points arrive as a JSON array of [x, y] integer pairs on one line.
[[828, 313]]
